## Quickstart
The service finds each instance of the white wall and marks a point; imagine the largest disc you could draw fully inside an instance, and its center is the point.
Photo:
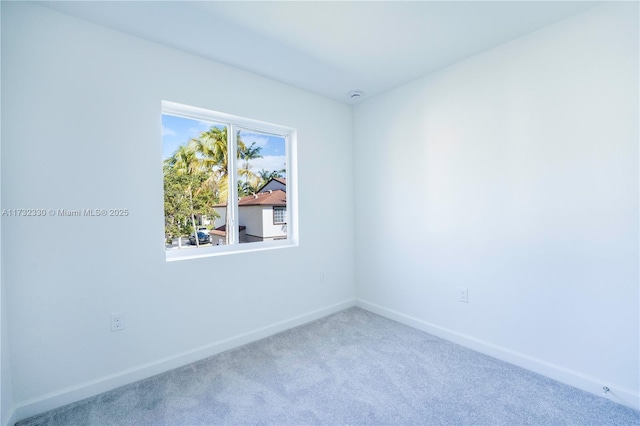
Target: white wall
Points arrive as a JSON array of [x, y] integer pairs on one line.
[[514, 174], [270, 229], [6, 391], [81, 129], [251, 217], [222, 218]]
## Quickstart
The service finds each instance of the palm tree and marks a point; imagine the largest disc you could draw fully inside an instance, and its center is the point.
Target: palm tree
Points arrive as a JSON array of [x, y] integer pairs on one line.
[[213, 156], [266, 176], [185, 162], [249, 153], [251, 183], [208, 153]]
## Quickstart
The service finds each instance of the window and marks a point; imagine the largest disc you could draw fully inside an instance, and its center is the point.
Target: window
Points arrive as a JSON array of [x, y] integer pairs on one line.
[[279, 215], [216, 202]]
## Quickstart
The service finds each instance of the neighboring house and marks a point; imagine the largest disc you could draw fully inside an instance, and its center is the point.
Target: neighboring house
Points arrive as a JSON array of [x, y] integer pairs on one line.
[[262, 216], [274, 184], [219, 235], [204, 220]]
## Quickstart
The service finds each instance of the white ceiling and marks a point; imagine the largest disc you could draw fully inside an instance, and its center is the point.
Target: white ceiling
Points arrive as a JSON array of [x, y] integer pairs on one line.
[[328, 48]]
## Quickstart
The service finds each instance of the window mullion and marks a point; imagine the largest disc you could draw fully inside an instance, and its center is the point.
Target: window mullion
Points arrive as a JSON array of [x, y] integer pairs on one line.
[[232, 202]]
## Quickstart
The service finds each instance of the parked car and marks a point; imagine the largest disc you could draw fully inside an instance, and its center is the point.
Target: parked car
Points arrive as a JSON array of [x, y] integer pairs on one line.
[[203, 238]]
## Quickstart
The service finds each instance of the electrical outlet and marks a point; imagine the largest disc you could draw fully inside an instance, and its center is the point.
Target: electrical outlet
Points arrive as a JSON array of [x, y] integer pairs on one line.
[[117, 322], [463, 295]]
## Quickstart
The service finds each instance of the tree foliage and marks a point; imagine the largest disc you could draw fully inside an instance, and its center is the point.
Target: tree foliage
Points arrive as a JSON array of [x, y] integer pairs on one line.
[[266, 176], [182, 203], [196, 177]]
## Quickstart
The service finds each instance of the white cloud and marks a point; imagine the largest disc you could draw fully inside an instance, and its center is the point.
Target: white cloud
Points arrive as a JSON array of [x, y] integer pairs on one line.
[[204, 125], [268, 162], [168, 132], [250, 138], [200, 126]]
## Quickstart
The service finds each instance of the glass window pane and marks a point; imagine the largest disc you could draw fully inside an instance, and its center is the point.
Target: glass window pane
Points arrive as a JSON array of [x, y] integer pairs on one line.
[[195, 182], [225, 183], [262, 186]]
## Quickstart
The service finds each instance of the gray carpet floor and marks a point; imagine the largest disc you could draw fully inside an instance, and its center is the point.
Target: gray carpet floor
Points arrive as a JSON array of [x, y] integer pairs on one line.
[[353, 367]]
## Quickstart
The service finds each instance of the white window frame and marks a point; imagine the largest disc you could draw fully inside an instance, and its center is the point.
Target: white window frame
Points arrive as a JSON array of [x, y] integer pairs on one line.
[[235, 123]]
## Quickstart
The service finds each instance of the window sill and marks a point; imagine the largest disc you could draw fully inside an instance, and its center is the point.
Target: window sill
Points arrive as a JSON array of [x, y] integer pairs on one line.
[[213, 251]]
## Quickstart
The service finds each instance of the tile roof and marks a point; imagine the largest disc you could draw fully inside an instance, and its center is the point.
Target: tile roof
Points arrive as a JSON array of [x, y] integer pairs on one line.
[[269, 198]]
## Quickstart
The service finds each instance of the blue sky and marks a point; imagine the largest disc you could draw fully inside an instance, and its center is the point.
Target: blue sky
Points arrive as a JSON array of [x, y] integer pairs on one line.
[[178, 130]]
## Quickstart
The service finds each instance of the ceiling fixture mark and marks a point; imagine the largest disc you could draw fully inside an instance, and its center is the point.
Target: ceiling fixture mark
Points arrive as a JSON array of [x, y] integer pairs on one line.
[[354, 95]]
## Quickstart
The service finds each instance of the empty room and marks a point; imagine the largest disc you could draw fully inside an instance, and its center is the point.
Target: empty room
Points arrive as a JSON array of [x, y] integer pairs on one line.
[[431, 214]]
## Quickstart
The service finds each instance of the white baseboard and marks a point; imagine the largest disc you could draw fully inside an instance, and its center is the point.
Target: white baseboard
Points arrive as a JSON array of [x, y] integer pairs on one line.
[[618, 394], [86, 390]]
